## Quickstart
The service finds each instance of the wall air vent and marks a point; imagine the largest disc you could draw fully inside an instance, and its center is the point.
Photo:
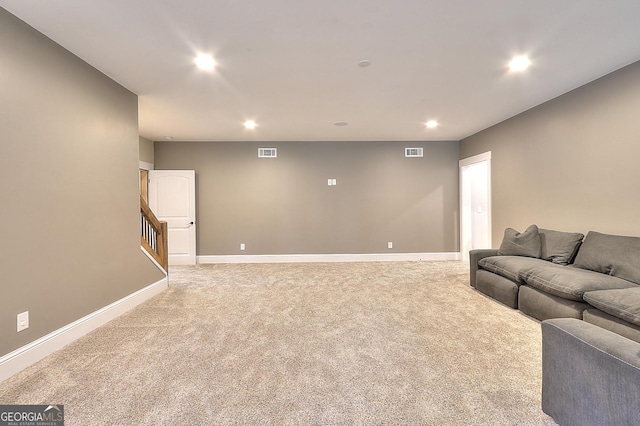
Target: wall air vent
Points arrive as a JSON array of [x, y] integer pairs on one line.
[[413, 152], [267, 152]]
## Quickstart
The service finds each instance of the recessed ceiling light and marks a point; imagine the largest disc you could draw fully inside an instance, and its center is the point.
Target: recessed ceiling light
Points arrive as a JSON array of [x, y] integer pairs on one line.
[[205, 62], [431, 124], [364, 63], [519, 63], [340, 123], [250, 124]]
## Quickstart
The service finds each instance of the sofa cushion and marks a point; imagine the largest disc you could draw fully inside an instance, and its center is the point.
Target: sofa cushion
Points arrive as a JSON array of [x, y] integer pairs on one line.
[[620, 303], [525, 243], [540, 305], [498, 287], [609, 322], [568, 282], [509, 266], [559, 247], [611, 254]]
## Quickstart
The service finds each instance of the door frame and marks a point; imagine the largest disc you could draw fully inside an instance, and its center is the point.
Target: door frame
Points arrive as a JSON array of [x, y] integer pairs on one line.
[[144, 168], [189, 258], [465, 228]]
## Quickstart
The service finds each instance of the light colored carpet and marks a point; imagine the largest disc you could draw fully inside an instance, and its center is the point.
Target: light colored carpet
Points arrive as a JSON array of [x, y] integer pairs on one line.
[[379, 343]]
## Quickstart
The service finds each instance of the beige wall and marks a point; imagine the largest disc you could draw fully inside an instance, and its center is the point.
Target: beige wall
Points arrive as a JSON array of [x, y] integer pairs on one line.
[[146, 150], [571, 163], [69, 217], [284, 205]]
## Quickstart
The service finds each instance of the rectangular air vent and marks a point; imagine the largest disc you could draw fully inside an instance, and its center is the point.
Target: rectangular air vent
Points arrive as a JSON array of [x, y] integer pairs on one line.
[[413, 152], [267, 152]]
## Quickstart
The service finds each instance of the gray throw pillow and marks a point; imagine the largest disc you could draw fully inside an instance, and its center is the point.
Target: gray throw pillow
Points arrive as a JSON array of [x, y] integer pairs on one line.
[[611, 254], [559, 247], [525, 243]]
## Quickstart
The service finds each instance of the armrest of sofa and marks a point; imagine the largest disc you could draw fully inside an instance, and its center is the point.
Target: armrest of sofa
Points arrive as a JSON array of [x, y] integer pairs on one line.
[[590, 376], [474, 257]]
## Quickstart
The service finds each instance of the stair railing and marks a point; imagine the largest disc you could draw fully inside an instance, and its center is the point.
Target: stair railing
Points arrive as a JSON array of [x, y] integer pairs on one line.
[[153, 235]]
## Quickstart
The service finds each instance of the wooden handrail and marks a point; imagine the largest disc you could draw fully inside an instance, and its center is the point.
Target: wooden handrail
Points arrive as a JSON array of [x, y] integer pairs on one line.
[[153, 235]]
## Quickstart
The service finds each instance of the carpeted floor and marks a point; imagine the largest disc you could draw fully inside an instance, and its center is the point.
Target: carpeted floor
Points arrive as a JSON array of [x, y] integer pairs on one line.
[[378, 343]]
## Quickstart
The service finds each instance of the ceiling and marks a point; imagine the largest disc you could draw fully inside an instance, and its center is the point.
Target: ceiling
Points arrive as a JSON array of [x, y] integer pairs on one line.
[[292, 65]]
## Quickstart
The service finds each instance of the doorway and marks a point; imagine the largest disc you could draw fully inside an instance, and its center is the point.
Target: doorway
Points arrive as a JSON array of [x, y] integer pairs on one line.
[[172, 198], [475, 203]]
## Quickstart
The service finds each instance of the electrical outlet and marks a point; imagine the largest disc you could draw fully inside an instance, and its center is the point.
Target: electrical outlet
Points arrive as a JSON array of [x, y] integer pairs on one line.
[[23, 321], [390, 244], [241, 246]]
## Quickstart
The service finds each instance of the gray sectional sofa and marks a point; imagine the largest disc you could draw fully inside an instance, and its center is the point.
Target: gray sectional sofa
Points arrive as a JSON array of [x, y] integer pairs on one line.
[[590, 376], [553, 274], [586, 292]]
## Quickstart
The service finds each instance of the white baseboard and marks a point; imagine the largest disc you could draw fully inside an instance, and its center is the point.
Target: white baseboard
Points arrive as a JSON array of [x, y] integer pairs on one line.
[[23, 357], [298, 258], [155, 262]]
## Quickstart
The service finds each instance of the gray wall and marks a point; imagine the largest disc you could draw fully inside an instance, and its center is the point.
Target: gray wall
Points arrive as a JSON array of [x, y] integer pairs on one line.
[[284, 205], [571, 163], [69, 217], [146, 150]]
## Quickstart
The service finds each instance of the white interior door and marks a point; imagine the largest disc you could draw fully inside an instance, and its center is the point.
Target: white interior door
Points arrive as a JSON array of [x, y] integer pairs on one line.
[[475, 203], [172, 198]]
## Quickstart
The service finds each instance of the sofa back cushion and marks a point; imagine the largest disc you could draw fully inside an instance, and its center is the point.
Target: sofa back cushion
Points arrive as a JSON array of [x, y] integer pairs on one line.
[[611, 254], [525, 243], [559, 247]]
